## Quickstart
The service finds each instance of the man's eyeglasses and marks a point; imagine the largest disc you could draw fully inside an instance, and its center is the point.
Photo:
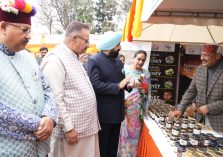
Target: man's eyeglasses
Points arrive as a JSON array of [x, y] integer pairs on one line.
[[22, 28], [86, 41]]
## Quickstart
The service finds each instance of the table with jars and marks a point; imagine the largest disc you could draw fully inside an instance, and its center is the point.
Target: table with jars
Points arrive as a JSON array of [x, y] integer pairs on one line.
[[179, 137]]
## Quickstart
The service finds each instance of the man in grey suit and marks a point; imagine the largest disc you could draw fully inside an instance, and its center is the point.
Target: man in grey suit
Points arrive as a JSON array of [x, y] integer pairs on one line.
[[207, 85]]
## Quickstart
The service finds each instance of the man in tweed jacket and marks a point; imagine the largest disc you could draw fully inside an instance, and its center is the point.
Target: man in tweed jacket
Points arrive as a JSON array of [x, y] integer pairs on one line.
[[76, 134], [207, 85]]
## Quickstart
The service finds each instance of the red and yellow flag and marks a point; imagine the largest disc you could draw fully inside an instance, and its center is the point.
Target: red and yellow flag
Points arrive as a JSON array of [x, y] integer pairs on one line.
[[133, 25]]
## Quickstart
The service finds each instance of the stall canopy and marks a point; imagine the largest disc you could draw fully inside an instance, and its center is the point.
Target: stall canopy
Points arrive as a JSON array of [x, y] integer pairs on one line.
[[194, 12], [181, 33], [185, 21]]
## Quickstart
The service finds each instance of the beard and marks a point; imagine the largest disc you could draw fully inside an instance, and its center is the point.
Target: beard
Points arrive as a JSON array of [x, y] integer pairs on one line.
[[114, 53]]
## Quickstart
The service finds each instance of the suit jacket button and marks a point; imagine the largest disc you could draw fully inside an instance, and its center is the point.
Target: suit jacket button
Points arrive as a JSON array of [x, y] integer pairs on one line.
[[35, 101]]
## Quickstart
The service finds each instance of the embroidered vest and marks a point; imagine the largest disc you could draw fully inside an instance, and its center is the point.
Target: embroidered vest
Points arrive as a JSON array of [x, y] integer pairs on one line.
[[21, 89]]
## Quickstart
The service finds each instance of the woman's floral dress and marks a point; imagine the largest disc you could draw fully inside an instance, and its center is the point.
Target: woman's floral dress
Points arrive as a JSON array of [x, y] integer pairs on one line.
[[136, 104]]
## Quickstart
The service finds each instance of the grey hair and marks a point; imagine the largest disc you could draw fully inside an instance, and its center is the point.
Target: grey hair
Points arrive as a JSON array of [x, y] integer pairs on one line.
[[75, 27]]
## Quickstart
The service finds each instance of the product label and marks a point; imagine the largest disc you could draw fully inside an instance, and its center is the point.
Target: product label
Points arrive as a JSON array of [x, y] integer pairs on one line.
[[175, 132], [184, 126], [197, 132]]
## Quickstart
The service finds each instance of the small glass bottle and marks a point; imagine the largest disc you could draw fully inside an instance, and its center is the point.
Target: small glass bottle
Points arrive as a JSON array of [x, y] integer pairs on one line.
[[173, 140], [197, 129], [184, 124], [194, 140], [204, 140], [175, 130], [184, 140], [181, 151], [177, 122], [191, 123]]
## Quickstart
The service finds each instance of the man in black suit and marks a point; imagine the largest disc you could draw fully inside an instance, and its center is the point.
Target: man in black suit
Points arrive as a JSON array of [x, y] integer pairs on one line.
[[109, 82]]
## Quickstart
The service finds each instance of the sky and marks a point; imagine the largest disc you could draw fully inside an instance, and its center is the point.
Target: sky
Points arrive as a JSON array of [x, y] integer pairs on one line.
[[37, 28]]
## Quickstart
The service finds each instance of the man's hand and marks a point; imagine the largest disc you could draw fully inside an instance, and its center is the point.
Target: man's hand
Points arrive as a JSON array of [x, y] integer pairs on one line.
[[71, 137], [45, 129], [124, 82], [203, 110], [173, 114], [190, 110]]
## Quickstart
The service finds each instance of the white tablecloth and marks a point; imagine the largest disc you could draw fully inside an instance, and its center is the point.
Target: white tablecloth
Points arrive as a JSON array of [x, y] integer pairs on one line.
[[159, 138]]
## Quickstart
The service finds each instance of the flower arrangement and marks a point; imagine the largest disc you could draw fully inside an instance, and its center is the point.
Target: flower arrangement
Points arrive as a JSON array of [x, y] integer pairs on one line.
[[17, 6], [143, 90]]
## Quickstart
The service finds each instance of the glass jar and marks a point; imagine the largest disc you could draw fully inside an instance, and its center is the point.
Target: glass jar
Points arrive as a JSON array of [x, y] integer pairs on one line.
[[190, 132], [177, 122], [161, 124], [204, 140], [184, 140], [176, 146], [173, 140], [191, 123], [213, 141], [169, 123], [184, 124], [183, 131], [194, 139], [197, 129], [175, 130], [181, 151], [161, 117], [189, 151]]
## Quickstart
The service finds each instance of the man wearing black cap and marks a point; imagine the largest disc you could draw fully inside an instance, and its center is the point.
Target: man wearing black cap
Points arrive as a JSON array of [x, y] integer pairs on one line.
[[27, 108], [207, 86], [108, 80]]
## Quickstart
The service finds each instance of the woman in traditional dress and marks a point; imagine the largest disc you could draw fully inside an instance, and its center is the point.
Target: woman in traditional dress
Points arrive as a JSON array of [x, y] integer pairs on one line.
[[136, 102]]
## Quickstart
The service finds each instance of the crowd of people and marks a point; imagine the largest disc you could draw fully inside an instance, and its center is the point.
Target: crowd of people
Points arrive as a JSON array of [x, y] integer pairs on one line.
[[69, 104]]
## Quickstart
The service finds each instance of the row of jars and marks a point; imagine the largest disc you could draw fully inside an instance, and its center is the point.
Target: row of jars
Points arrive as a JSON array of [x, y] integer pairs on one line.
[[183, 133]]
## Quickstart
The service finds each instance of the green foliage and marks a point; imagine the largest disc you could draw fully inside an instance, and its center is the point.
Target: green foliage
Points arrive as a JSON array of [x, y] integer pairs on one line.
[[104, 13], [101, 15]]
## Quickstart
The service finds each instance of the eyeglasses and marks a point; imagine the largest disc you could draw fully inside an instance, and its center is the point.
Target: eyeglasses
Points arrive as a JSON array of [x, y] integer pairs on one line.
[[86, 41], [24, 29]]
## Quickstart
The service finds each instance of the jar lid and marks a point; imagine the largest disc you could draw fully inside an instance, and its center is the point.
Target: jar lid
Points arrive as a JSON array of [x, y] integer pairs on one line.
[[181, 148], [177, 120], [176, 127], [198, 126], [177, 143], [174, 138], [191, 119], [195, 137], [184, 137]]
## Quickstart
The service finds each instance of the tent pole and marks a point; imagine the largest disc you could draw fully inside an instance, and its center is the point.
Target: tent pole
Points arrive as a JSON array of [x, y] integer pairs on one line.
[[210, 34]]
